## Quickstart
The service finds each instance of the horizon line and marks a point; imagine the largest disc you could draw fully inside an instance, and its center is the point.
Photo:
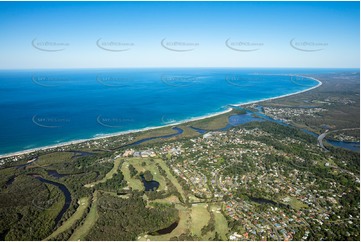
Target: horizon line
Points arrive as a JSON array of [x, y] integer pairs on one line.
[[168, 67]]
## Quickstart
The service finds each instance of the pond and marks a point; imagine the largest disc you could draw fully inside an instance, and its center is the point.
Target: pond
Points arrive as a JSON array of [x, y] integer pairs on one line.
[[266, 201], [10, 181], [167, 230], [262, 200], [149, 185]]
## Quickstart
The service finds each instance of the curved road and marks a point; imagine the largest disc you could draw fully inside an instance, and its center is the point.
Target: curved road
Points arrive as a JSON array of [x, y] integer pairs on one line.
[[323, 135]]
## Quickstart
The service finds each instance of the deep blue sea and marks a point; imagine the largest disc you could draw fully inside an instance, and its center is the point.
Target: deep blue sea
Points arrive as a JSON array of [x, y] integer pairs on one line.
[[47, 107]]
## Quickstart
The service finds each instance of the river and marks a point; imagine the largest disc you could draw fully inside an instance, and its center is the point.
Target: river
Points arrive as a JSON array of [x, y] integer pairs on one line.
[[240, 119], [64, 190]]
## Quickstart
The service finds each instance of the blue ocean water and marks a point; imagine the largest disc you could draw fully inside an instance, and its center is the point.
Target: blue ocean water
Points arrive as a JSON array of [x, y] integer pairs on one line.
[[47, 107]]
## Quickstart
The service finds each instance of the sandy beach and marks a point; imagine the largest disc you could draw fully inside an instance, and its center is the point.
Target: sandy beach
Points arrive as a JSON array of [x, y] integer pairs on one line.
[[98, 137]]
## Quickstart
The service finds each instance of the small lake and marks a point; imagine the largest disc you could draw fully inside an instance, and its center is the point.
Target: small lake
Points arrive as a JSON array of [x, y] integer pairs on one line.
[[266, 201], [10, 181], [262, 201], [149, 185]]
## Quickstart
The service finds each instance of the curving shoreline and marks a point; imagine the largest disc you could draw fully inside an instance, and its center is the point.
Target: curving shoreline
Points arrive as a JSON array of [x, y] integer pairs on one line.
[[97, 137]]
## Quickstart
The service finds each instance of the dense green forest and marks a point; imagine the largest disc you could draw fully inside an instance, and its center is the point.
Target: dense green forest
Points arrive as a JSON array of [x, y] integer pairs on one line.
[[125, 219]]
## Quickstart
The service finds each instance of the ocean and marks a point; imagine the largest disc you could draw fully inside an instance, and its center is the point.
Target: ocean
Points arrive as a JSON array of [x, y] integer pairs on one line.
[[48, 107]]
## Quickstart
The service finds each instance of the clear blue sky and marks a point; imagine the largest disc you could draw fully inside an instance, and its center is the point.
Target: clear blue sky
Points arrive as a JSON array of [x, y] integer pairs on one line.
[[269, 25]]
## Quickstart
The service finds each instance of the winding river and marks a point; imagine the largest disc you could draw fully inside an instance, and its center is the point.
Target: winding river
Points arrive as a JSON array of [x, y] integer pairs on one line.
[[63, 189]]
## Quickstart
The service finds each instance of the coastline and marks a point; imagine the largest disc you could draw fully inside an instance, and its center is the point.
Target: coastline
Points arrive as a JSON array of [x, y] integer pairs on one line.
[[97, 137]]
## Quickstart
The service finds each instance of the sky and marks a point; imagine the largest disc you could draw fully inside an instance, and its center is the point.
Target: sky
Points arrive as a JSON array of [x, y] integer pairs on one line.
[[42, 35]]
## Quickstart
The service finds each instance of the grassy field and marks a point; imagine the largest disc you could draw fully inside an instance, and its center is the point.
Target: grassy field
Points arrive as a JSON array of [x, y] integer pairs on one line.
[[193, 199], [171, 177], [57, 203], [150, 166], [296, 204], [199, 218], [82, 231], [212, 123], [109, 175], [52, 158], [155, 133], [221, 222], [83, 204], [134, 183], [169, 200], [187, 131]]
